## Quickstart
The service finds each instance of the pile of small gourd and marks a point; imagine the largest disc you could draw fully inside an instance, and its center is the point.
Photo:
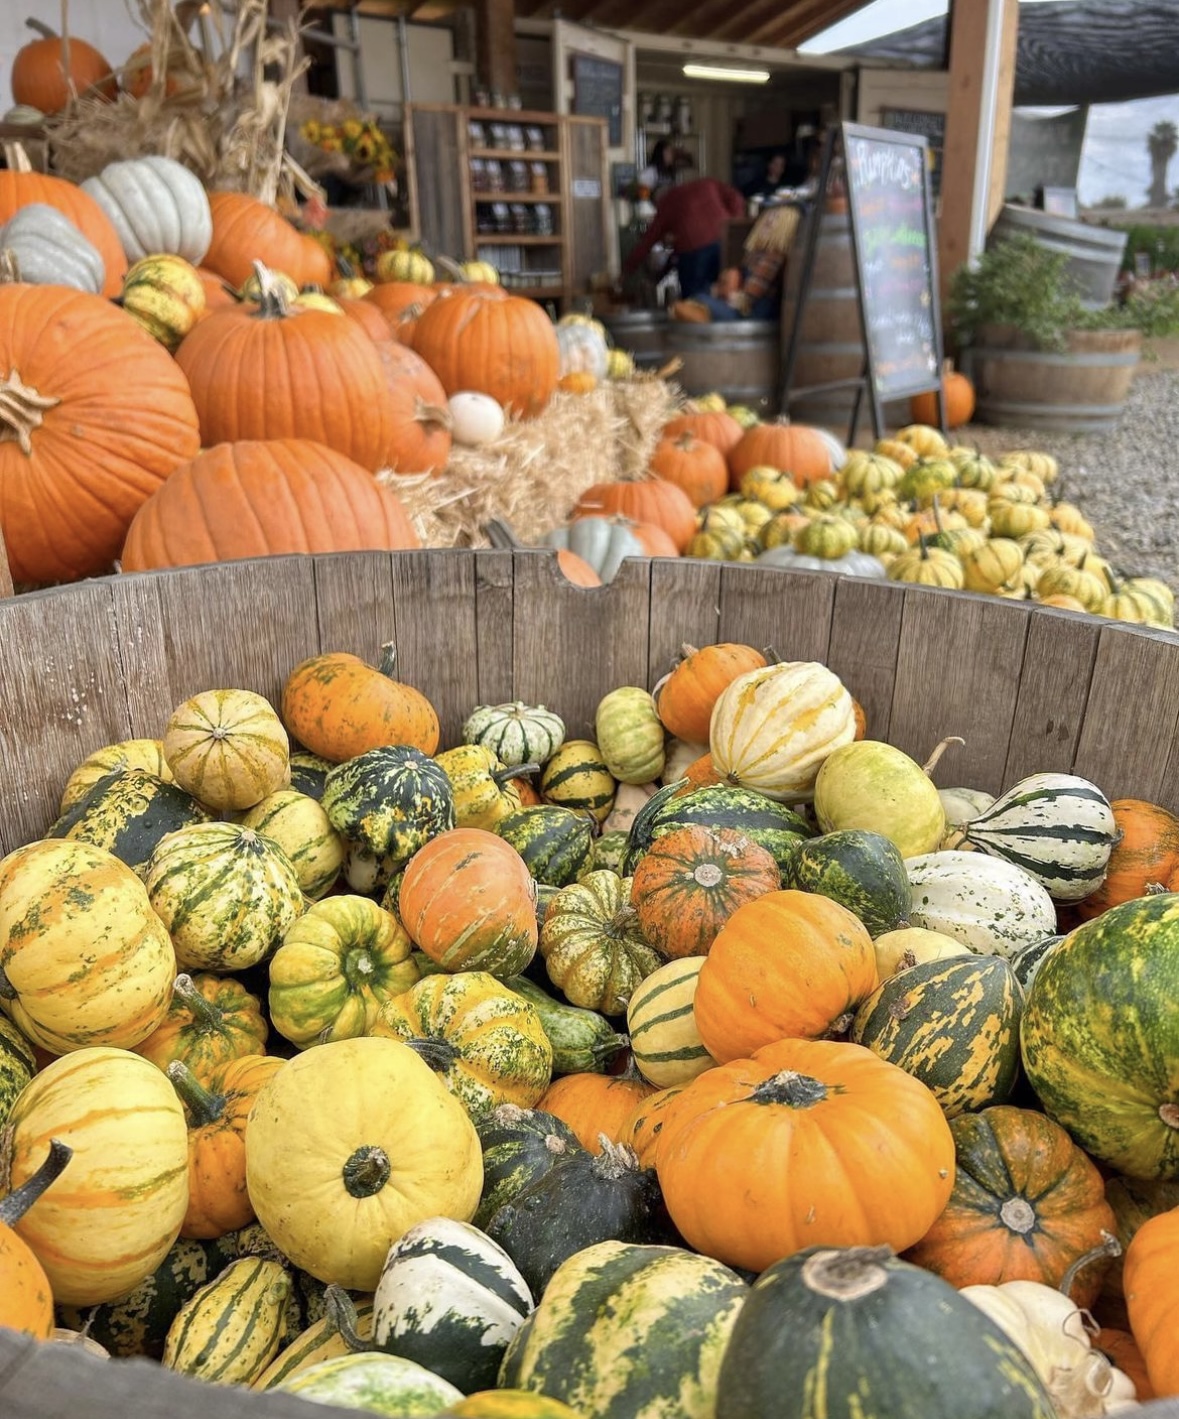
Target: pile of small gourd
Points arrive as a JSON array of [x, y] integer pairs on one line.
[[912, 509], [571, 1039]]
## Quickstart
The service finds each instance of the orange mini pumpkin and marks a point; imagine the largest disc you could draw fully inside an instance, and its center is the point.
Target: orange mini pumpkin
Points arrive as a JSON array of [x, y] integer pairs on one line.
[[691, 464], [576, 570], [655, 501], [792, 448], [958, 395], [211, 1021], [26, 1300], [712, 426], [788, 965], [1145, 855], [686, 699], [39, 76], [595, 1104], [1152, 1299], [339, 707], [468, 901]]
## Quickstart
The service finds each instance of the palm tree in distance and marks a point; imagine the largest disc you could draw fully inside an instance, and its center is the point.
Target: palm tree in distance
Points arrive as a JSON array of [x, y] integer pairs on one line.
[[1162, 142]]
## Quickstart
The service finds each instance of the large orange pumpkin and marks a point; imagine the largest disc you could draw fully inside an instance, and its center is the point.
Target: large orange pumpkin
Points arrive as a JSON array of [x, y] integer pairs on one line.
[[493, 343], [688, 695], [19, 189], [789, 965], [367, 316], [339, 707], [468, 901], [792, 448], [958, 394], [712, 426], [417, 403], [94, 415], [138, 73], [595, 1104], [39, 76], [246, 230], [267, 372], [1146, 855], [806, 1143], [692, 464], [265, 499], [1152, 1299], [653, 500]]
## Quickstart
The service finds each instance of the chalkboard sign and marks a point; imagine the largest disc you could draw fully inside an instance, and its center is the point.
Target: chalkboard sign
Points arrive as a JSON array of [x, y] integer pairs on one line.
[[932, 127], [895, 250], [597, 92]]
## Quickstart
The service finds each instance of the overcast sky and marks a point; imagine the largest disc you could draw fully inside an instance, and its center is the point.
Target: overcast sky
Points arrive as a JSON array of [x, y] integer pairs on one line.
[[1114, 160]]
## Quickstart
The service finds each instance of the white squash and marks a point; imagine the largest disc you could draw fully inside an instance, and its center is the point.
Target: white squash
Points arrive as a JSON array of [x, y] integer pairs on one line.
[[477, 418], [50, 251], [990, 905], [583, 350], [600, 541], [156, 205], [963, 804], [628, 799]]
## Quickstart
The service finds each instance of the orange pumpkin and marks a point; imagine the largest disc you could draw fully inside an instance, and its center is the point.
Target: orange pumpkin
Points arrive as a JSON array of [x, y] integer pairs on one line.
[[138, 74], [713, 426], [594, 1104], [1152, 1299], [18, 189], [861, 719], [688, 695], [806, 1143], [644, 1129], [246, 230], [211, 1021], [94, 416], [417, 402], [692, 880], [654, 541], [653, 501], [269, 372], [791, 448], [218, 296], [493, 343], [577, 382], [39, 76], [788, 965], [339, 707], [1134, 1202], [217, 1110], [1121, 1350], [958, 394], [701, 773], [468, 901], [26, 1299], [577, 570], [691, 464], [1145, 855], [265, 499], [1026, 1205], [400, 303]]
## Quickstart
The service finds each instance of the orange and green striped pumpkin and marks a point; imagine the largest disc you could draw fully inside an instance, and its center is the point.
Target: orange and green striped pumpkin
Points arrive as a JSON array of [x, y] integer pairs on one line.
[[210, 1020]]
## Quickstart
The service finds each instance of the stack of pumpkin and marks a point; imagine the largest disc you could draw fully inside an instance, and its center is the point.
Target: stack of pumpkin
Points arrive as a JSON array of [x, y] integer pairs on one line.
[[572, 1039], [913, 509]]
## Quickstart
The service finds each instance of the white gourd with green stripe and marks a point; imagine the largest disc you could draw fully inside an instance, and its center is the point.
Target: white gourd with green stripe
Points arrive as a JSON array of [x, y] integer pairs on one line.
[[666, 1046], [988, 904], [1058, 828]]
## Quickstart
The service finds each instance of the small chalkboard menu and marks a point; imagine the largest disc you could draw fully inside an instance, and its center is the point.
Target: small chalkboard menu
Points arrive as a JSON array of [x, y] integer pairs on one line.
[[597, 92]]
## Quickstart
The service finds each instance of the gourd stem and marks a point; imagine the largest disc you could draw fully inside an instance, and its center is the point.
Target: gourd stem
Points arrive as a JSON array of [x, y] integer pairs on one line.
[[204, 1107], [20, 1199], [615, 1160], [438, 1054], [205, 1015], [797, 1091], [366, 1171], [934, 759], [7, 990], [847, 1274], [22, 410], [1109, 1246], [502, 776], [1018, 1214], [9, 267], [388, 660], [272, 299], [41, 28], [342, 1314], [1169, 1113]]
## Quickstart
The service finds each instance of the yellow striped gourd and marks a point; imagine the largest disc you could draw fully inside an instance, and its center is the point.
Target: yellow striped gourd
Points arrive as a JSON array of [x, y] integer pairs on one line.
[[231, 1329]]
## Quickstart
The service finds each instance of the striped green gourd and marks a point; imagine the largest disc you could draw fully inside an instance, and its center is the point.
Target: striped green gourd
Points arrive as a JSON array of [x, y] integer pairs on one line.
[[375, 1384], [129, 812], [516, 733], [231, 1329], [577, 777], [777, 828], [1058, 828], [299, 825], [555, 843], [988, 904], [1027, 961], [309, 773], [389, 801], [320, 1341], [609, 850], [226, 894], [583, 1041], [952, 1024], [126, 754], [860, 870], [630, 1332], [664, 1040], [520, 1146], [451, 1300], [18, 1064]]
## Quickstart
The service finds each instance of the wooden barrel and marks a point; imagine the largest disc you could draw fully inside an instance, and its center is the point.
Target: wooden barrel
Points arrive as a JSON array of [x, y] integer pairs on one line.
[[1094, 254], [1080, 389], [739, 359], [831, 341], [641, 332]]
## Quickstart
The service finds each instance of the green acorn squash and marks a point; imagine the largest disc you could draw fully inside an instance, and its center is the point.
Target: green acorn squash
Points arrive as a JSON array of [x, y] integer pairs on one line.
[[555, 843], [129, 812], [583, 1041], [860, 870], [389, 801], [520, 1146]]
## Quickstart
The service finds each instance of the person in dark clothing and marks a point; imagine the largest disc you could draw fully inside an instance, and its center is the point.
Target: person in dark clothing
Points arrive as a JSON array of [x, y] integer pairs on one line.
[[691, 218], [769, 182], [660, 173]]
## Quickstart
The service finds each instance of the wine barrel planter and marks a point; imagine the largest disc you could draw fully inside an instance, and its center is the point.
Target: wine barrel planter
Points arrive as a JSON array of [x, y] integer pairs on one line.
[[831, 340], [641, 332], [1027, 687], [1094, 253], [738, 359], [1080, 389]]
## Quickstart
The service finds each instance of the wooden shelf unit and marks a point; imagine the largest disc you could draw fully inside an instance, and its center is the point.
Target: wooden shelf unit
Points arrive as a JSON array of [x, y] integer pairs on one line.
[[445, 204]]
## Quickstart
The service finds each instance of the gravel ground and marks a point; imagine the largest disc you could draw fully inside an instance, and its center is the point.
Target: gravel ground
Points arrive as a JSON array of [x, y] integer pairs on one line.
[[1125, 482]]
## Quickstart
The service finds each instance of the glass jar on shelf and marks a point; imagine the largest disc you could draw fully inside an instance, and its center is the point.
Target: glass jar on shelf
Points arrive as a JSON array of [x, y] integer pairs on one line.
[[535, 139], [495, 175], [519, 179], [539, 179], [544, 219], [502, 218]]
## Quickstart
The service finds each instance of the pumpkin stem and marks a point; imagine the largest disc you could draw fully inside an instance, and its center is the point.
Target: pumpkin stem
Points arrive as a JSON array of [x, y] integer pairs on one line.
[[934, 759], [367, 1171], [272, 299], [22, 410], [1169, 1113], [342, 1314], [502, 776], [41, 28], [204, 1107], [615, 1160], [848, 1274], [438, 1054], [388, 660], [771, 655], [9, 267], [1018, 1214], [797, 1091], [1108, 1247], [437, 415], [20, 1199], [205, 1015]]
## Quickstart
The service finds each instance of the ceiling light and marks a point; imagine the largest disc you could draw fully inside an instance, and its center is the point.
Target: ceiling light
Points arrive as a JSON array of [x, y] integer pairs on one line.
[[735, 76]]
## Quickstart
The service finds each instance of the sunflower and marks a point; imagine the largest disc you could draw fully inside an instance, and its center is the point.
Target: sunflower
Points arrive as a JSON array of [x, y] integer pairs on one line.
[[353, 128]]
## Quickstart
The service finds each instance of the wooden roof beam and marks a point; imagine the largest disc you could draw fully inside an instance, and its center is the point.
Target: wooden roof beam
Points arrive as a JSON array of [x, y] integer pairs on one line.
[[795, 24], [659, 15]]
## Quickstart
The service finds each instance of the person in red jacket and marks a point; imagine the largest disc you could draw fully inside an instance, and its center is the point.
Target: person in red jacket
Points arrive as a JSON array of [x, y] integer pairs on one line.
[[691, 219]]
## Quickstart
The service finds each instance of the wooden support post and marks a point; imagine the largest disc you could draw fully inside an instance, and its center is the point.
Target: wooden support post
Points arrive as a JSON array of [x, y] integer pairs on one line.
[[978, 125], [496, 47]]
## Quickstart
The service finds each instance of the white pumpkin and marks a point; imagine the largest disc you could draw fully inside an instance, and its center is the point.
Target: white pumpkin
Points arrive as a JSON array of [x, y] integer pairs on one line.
[[850, 564], [963, 804], [476, 418], [988, 904], [583, 350], [773, 727], [51, 251], [679, 758], [600, 541], [628, 799], [836, 449], [156, 205], [23, 113]]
